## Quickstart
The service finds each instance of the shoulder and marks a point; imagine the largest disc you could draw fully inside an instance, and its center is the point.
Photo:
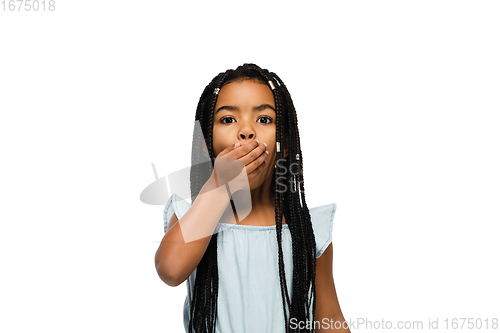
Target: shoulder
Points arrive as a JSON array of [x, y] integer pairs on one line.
[[175, 205], [322, 224]]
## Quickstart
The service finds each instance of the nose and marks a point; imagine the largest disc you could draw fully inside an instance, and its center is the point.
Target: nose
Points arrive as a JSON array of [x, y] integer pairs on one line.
[[246, 130], [247, 135]]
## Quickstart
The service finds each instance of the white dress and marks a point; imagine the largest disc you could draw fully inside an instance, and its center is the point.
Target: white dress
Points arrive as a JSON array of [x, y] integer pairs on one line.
[[249, 297]]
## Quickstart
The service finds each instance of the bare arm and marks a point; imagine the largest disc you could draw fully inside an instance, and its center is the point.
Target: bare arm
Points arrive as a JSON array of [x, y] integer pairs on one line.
[[175, 258], [328, 311], [187, 239]]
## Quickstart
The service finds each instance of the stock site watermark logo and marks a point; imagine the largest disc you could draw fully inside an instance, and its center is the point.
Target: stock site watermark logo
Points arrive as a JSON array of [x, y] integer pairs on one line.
[[281, 180], [232, 179], [27, 5], [443, 324]]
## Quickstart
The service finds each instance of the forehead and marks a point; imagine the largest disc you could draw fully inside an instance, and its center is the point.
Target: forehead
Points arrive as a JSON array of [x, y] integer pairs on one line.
[[245, 92]]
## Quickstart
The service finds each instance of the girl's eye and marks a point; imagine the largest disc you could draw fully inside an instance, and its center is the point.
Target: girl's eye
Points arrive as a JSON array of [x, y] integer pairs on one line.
[[223, 120], [268, 120]]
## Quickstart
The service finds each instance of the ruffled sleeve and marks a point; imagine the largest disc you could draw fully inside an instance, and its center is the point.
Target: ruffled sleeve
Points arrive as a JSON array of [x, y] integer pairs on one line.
[[177, 205], [322, 223]]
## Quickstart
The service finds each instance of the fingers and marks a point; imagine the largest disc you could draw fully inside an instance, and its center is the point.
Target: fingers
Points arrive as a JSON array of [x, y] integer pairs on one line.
[[255, 172], [249, 152], [253, 155], [228, 149], [257, 164], [240, 150]]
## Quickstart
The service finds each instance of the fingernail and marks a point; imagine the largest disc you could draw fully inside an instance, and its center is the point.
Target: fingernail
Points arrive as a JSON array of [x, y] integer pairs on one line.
[[257, 141], [265, 144], [237, 144], [267, 152]]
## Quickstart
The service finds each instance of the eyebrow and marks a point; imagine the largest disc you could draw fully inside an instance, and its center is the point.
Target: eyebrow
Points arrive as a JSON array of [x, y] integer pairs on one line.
[[256, 108]]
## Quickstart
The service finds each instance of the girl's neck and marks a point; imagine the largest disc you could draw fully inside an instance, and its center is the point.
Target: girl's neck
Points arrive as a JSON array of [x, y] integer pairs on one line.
[[262, 195], [263, 209]]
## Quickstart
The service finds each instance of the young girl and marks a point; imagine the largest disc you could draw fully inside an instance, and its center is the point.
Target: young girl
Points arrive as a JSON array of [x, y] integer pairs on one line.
[[271, 271]]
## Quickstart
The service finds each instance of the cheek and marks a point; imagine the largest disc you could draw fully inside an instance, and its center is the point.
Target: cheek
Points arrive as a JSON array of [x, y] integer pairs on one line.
[[271, 148], [218, 140], [270, 140], [216, 146]]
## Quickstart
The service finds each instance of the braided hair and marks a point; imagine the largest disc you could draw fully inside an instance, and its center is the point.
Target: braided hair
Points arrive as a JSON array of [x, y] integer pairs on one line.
[[290, 203]]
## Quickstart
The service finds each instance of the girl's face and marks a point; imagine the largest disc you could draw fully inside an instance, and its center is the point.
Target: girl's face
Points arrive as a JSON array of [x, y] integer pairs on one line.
[[245, 111]]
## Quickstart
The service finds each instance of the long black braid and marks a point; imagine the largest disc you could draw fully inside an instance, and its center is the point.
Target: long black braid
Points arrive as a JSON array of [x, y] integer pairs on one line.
[[291, 204]]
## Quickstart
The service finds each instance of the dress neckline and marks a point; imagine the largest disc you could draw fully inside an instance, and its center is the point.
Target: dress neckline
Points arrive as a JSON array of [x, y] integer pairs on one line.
[[254, 227]]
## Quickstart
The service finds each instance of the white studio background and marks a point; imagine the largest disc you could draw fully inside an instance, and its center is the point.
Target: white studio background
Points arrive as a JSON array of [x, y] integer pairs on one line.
[[397, 103]]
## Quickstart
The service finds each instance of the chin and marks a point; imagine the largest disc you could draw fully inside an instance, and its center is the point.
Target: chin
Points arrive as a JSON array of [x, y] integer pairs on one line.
[[257, 182], [253, 185]]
